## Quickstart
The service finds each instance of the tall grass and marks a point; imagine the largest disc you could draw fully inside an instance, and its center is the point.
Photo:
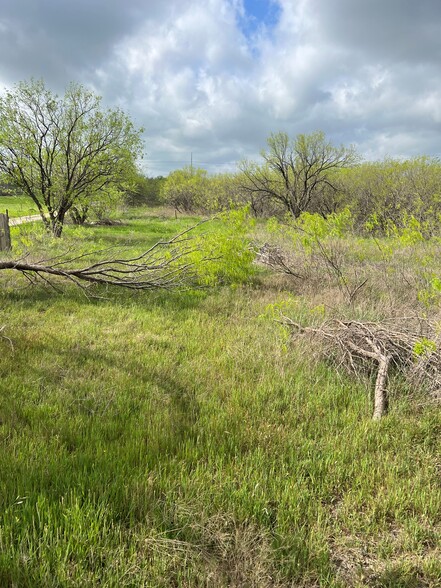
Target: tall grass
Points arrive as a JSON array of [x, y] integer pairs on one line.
[[175, 439]]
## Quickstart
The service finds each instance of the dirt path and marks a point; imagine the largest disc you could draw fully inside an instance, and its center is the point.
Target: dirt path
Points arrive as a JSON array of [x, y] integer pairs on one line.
[[24, 219]]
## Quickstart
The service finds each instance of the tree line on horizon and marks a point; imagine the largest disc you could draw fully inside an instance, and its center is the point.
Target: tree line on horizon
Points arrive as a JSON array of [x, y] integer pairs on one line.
[[75, 159], [308, 174]]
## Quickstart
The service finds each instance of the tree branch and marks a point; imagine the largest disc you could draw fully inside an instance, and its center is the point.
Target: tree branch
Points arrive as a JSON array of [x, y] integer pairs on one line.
[[165, 265]]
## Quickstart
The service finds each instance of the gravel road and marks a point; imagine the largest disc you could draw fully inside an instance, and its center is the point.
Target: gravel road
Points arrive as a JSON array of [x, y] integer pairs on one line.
[[23, 219]]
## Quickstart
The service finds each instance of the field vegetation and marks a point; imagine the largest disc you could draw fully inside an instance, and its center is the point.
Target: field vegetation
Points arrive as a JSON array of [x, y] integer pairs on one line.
[[17, 206], [200, 412], [193, 438]]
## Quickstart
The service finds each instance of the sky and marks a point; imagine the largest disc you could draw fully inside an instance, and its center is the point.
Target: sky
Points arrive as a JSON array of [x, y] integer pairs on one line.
[[209, 80]]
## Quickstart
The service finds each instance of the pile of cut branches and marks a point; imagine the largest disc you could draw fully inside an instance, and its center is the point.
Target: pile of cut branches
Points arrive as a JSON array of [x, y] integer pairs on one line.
[[409, 344]]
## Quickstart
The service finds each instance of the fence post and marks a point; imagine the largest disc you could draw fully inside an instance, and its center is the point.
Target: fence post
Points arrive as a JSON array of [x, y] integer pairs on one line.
[[5, 235]]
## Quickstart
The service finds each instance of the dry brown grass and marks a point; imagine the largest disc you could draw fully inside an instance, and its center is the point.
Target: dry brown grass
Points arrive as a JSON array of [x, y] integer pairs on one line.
[[356, 277], [222, 553], [385, 560]]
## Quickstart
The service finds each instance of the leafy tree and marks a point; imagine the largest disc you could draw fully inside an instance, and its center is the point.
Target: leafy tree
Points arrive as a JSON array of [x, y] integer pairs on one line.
[[227, 247], [296, 172], [64, 151], [387, 193], [145, 191], [185, 189], [226, 192]]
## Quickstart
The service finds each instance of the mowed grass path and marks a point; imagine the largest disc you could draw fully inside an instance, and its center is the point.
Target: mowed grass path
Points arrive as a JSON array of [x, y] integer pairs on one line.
[[174, 439]]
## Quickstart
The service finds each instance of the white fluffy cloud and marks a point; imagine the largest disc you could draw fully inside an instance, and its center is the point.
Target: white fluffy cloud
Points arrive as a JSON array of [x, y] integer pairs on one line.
[[211, 78]]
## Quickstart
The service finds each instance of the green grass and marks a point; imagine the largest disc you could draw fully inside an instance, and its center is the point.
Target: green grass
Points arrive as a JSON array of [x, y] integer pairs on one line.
[[17, 206], [173, 439]]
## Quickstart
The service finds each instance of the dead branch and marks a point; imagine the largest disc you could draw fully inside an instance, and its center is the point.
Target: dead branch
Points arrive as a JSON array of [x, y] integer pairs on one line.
[[5, 337], [304, 265], [276, 259], [398, 343], [380, 398], [165, 265]]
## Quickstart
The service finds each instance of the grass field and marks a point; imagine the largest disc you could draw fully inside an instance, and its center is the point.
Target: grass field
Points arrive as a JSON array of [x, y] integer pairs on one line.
[[17, 206], [178, 439]]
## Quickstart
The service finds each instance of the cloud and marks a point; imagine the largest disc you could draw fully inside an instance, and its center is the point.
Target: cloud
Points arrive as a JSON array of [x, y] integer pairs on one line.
[[215, 77], [391, 32], [57, 39]]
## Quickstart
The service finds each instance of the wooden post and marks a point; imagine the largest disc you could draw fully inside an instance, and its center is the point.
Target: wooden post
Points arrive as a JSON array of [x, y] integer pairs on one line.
[[5, 235]]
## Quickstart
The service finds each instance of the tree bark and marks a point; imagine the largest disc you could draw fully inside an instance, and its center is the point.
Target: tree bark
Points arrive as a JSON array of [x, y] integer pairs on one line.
[[380, 398]]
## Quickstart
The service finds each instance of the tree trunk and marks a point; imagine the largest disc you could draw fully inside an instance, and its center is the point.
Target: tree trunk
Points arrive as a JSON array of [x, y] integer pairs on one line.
[[294, 209], [380, 400], [58, 222], [79, 215], [57, 226]]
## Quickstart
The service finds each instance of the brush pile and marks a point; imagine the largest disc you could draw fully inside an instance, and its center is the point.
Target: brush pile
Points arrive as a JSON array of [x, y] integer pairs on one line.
[[409, 346]]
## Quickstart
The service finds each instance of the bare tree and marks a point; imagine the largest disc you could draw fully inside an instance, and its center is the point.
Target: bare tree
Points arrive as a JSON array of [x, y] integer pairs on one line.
[[296, 171]]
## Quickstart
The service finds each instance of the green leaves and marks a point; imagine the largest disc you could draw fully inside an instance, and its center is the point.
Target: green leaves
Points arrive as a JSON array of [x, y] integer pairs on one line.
[[185, 189], [223, 253], [395, 193], [424, 346], [62, 151]]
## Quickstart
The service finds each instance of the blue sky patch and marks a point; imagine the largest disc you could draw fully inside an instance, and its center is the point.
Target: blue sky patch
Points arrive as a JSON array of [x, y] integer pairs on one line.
[[258, 14]]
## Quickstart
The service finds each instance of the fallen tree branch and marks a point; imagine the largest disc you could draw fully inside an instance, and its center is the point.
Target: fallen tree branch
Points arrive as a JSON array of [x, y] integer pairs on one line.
[[410, 344], [276, 259], [5, 337], [165, 265], [380, 397]]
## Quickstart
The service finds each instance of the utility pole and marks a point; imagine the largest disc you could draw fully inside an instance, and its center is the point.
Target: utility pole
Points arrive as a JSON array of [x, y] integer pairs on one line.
[[191, 163]]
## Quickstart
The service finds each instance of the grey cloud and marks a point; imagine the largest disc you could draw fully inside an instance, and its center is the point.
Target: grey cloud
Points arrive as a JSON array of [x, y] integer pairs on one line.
[[59, 39], [392, 31], [366, 72]]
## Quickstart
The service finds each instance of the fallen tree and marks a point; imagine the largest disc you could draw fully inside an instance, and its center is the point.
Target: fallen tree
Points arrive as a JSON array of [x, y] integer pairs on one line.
[[409, 344], [166, 265]]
